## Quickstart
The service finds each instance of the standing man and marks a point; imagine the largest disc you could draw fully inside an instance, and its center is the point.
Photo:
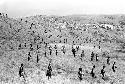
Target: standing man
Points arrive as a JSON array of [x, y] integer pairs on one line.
[[108, 60], [97, 57], [49, 71], [73, 51], [21, 71], [63, 49], [103, 72], [92, 56], [113, 67], [92, 72], [82, 55], [80, 74]]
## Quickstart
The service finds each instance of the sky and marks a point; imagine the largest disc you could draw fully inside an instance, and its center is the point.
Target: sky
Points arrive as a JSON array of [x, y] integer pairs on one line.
[[23, 8]]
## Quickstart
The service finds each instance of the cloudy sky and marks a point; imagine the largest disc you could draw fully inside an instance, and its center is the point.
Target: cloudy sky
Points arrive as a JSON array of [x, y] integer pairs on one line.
[[20, 8]]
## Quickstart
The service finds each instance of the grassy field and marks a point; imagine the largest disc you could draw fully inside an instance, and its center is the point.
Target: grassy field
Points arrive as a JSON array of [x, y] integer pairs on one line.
[[67, 44]]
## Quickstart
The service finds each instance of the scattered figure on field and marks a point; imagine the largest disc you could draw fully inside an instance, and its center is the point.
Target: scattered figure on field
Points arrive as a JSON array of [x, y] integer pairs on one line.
[[92, 73], [31, 47], [49, 71], [73, 51], [97, 57], [56, 52], [45, 53], [6, 16], [65, 40], [103, 71], [32, 25], [108, 60], [63, 49], [82, 54], [37, 58], [77, 48], [19, 46], [99, 47], [29, 56], [25, 45], [21, 71], [92, 56], [113, 67], [45, 44], [80, 74], [50, 50], [38, 47], [55, 47]]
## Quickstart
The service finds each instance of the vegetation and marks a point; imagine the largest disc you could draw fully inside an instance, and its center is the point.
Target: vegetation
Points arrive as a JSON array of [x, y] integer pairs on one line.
[[62, 48]]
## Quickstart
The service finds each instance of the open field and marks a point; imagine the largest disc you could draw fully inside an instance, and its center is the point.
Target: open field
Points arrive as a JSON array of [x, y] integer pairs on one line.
[[81, 49]]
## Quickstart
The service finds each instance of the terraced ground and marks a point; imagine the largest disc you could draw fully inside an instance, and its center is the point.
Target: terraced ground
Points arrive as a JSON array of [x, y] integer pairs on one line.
[[79, 49]]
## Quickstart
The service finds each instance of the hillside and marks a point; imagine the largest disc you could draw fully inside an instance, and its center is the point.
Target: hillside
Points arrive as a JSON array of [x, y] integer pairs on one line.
[[80, 49]]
